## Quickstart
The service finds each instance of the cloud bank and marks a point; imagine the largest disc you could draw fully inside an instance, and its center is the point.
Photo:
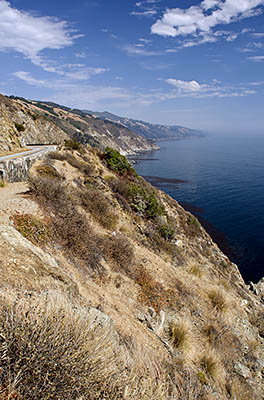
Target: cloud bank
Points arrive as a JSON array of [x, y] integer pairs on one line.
[[199, 21], [30, 35]]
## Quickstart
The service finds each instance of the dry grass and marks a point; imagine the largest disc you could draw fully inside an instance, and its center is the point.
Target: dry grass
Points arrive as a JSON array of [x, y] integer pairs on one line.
[[72, 230], [32, 228], [253, 346], [196, 270], [160, 245], [84, 166], [257, 319], [118, 249], [100, 208], [43, 355], [68, 225], [151, 292], [211, 366], [218, 300], [179, 334], [240, 390], [47, 170]]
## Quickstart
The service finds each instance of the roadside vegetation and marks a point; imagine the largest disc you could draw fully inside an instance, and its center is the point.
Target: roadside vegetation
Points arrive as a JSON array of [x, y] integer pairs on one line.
[[134, 255]]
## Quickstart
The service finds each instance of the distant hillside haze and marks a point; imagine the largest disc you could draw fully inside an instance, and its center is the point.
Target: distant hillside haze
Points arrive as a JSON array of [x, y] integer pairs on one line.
[[147, 129]]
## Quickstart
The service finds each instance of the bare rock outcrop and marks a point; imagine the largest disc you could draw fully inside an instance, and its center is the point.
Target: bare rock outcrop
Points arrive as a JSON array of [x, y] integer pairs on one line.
[[25, 265]]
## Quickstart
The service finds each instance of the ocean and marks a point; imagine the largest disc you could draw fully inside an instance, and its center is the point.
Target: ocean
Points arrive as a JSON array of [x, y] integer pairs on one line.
[[224, 187]]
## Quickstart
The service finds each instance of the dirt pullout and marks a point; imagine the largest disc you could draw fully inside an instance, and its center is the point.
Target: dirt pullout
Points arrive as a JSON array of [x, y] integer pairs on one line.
[[13, 199]]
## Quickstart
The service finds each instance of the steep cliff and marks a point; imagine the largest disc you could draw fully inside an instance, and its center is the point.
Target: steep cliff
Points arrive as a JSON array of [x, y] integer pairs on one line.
[[20, 125], [111, 290]]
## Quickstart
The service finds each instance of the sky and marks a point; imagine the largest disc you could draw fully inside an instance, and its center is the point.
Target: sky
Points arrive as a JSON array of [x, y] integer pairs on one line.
[[194, 63]]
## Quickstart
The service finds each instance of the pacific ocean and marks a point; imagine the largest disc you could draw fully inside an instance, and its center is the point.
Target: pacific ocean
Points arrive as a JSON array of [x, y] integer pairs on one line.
[[225, 180]]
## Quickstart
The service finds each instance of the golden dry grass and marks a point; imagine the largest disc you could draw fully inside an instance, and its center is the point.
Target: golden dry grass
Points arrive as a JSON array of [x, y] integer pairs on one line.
[[218, 299], [43, 355], [210, 364], [179, 335]]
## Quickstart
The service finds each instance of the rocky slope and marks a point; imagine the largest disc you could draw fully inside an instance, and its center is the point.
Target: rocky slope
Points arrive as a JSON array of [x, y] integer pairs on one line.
[[110, 290], [20, 124], [148, 130], [31, 122]]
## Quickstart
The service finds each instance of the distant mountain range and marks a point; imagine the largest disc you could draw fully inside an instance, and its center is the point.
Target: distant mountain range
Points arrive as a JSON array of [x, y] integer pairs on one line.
[[148, 130]]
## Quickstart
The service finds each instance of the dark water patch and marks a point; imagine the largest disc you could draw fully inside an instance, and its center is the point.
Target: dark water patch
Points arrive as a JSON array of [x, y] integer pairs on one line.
[[160, 182], [218, 237], [190, 207], [144, 159]]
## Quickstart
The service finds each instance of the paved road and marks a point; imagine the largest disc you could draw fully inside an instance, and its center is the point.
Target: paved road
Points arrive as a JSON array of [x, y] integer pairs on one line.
[[32, 150]]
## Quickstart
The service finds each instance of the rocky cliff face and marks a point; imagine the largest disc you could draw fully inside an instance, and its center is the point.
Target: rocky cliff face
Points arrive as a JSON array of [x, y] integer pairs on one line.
[[30, 122], [112, 291], [20, 125]]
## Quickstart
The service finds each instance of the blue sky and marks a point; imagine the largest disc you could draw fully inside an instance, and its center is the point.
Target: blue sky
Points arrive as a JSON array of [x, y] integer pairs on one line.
[[193, 63]]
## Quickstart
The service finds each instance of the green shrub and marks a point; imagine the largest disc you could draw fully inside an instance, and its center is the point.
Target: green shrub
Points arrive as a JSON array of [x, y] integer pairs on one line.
[[72, 145], [2, 183], [192, 221], [144, 202], [117, 162], [166, 231], [19, 127], [140, 196]]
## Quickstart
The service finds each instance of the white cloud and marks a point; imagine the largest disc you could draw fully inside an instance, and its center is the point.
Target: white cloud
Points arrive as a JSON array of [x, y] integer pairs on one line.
[[82, 72], [136, 50], [148, 13], [191, 86], [258, 34], [146, 2], [246, 30], [232, 37], [212, 89], [256, 58], [200, 20], [144, 40], [30, 35], [25, 76], [258, 83], [252, 46], [81, 54]]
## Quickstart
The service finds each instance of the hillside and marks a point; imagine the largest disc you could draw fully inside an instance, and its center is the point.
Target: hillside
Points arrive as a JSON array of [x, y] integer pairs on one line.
[[111, 290], [148, 130], [25, 121]]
